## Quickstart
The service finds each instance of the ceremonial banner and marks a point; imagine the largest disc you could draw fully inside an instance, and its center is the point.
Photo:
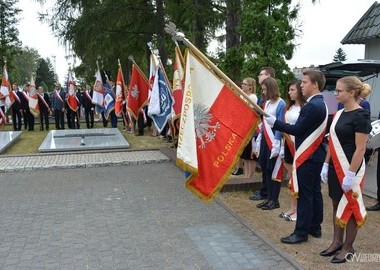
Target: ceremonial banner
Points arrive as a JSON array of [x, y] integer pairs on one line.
[[33, 98], [72, 100], [6, 92], [216, 125], [138, 92], [154, 96], [109, 100], [178, 83], [120, 93], [165, 100], [97, 97]]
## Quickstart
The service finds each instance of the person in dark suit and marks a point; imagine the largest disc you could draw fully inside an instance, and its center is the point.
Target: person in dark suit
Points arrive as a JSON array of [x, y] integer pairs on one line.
[[44, 104], [309, 131], [25, 104], [89, 107], [16, 108], [58, 106]]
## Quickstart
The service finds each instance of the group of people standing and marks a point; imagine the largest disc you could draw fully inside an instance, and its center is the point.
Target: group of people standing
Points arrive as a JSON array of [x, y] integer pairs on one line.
[[296, 135]]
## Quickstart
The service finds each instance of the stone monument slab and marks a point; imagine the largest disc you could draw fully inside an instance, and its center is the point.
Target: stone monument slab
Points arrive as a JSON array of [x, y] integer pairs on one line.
[[7, 138], [83, 139]]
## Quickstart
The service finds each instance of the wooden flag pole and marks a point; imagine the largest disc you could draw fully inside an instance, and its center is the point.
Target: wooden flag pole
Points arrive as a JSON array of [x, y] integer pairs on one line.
[[171, 29]]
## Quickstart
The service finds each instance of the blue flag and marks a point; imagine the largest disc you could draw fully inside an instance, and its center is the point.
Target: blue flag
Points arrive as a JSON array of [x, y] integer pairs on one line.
[[109, 100], [164, 99]]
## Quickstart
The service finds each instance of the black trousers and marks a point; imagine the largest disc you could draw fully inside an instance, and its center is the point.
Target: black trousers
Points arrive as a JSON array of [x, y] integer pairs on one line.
[[59, 117], [89, 116], [16, 119], [378, 175], [44, 117], [310, 202]]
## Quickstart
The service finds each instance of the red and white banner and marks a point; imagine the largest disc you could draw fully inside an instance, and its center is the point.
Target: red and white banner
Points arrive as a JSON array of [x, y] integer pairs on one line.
[[6, 92], [97, 96], [138, 92], [120, 93], [154, 95], [178, 83], [351, 203], [213, 132], [33, 98], [72, 100]]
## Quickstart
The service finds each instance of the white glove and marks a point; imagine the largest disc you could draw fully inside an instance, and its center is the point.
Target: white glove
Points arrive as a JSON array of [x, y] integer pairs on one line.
[[275, 149], [282, 151], [348, 181], [270, 119], [257, 148], [324, 171]]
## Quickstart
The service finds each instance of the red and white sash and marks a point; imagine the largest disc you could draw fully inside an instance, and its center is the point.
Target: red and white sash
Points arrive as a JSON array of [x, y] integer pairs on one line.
[[278, 170], [87, 95], [304, 151], [43, 101], [351, 202], [25, 95], [16, 97], [58, 96]]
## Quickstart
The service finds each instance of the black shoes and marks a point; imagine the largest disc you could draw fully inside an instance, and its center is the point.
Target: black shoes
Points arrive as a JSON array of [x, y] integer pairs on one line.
[[257, 197], [271, 205], [325, 253], [375, 207], [263, 203], [238, 171], [348, 257], [316, 233], [294, 239]]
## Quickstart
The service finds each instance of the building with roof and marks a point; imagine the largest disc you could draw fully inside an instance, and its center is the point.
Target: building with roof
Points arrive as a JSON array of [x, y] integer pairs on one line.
[[367, 31]]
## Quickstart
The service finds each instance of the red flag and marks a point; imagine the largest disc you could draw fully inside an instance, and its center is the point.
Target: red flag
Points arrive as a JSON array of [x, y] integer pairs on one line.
[[178, 83], [6, 92], [72, 100], [120, 93], [33, 98], [216, 124], [138, 92]]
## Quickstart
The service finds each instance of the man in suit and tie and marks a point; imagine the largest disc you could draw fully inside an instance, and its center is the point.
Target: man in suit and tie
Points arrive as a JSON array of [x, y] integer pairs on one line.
[[17, 108], [58, 106], [89, 107], [309, 131], [44, 104]]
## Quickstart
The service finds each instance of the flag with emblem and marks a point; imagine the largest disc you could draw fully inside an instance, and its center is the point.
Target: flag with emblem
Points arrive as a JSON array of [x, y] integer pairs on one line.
[[72, 100], [34, 107], [216, 125], [109, 100], [165, 100], [138, 92], [97, 96], [178, 83], [6, 93], [120, 93]]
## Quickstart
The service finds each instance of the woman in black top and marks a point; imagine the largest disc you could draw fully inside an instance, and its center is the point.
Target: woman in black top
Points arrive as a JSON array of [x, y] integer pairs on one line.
[[344, 167]]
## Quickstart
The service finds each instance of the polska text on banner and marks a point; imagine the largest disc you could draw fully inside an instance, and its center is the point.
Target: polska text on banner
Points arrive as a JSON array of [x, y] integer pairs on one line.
[[216, 124]]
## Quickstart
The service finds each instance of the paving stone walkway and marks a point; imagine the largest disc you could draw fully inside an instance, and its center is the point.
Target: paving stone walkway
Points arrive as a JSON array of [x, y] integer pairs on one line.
[[119, 210]]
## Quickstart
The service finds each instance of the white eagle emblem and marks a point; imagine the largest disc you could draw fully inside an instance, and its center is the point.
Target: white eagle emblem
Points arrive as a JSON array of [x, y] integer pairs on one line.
[[135, 91], [203, 130]]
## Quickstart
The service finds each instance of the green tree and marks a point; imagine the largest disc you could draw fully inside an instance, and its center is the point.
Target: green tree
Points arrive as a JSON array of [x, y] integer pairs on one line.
[[9, 42], [268, 37], [25, 64], [45, 74], [340, 56]]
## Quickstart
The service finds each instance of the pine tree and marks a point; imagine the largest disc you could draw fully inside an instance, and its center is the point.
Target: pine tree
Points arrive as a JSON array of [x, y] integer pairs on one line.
[[340, 56], [9, 42], [45, 74]]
